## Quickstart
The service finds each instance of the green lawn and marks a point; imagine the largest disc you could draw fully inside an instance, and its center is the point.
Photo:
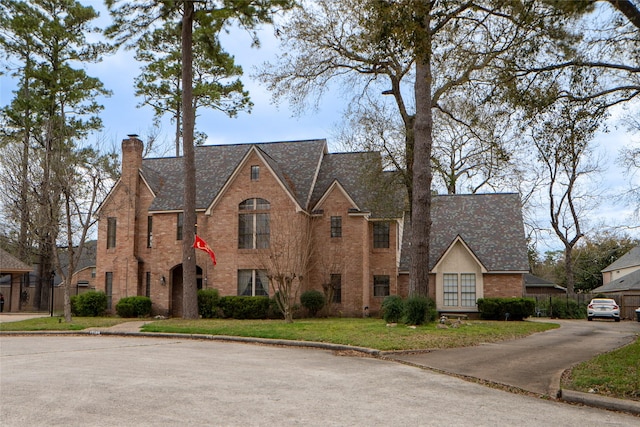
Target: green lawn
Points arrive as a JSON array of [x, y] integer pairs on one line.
[[371, 333], [615, 374], [58, 324]]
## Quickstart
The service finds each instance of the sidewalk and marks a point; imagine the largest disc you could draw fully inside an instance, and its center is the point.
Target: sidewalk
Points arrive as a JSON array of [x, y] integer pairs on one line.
[[123, 328], [17, 317]]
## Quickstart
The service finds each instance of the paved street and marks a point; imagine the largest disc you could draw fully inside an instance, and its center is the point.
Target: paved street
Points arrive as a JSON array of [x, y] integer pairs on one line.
[[134, 381]]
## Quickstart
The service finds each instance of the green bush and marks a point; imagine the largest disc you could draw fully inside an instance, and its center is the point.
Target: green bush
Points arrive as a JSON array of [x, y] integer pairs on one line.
[[243, 307], [499, 308], [392, 309], [274, 309], [208, 300], [89, 304], [419, 310], [313, 300], [125, 309], [563, 308], [138, 306]]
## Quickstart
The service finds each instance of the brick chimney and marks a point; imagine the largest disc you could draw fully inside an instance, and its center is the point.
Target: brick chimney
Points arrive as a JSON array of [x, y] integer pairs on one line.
[[131, 156], [129, 216]]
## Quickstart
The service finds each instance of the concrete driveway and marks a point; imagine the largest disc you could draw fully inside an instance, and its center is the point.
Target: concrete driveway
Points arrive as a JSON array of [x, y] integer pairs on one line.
[[98, 380], [534, 363]]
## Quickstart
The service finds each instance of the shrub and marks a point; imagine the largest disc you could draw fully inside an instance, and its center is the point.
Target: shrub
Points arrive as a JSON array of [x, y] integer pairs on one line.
[[274, 309], [242, 307], [125, 309], [89, 304], [563, 308], [313, 300], [134, 307], [419, 310], [208, 300], [392, 309], [498, 308]]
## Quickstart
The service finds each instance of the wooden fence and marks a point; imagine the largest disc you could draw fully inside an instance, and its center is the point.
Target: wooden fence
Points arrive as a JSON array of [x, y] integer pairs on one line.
[[628, 303]]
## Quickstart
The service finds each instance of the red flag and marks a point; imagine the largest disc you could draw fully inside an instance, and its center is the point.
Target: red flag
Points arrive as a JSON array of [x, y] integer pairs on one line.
[[202, 245]]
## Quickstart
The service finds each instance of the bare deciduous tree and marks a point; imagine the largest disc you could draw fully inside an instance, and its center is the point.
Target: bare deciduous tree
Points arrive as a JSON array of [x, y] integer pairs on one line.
[[287, 259]]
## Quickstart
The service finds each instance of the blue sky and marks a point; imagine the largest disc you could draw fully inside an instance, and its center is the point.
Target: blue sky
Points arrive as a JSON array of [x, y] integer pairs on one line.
[[269, 122]]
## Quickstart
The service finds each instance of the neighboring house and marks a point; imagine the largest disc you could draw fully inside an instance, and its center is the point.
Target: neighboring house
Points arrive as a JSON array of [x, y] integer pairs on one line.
[[13, 275], [621, 280], [249, 195], [84, 276], [81, 281], [535, 285], [627, 263]]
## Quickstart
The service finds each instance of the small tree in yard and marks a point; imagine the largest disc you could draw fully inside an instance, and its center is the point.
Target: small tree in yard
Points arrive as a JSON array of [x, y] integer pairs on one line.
[[286, 259]]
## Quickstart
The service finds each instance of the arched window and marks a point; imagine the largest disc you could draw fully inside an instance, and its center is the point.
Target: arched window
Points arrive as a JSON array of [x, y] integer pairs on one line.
[[253, 224]]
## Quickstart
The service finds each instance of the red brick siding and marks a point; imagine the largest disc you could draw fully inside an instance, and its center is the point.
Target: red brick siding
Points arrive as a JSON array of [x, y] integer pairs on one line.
[[503, 285]]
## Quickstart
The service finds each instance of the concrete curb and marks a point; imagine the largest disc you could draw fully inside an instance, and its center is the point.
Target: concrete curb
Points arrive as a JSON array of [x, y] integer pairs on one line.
[[590, 399]]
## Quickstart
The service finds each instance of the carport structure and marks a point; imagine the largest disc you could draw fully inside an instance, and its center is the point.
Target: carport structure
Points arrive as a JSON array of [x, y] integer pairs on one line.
[[12, 275]]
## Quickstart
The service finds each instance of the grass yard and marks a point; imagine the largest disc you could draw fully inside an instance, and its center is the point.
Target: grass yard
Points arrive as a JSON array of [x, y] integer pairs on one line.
[[615, 374], [370, 332], [58, 324]]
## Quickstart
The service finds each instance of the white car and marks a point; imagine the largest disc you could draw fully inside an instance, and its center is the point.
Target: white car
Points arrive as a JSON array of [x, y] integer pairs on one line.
[[603, 307]]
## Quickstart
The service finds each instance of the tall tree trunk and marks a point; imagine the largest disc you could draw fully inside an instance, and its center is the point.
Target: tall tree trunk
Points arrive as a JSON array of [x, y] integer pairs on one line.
[[24, 243], [45, 250], [178, 130], [422, 173], [568, 266], [189, 290]]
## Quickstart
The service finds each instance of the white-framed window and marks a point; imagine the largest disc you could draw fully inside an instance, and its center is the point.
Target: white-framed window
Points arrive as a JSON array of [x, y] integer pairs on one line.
[[450, 289], [459, 289], [468, 289], [253, 224], [253, 283]]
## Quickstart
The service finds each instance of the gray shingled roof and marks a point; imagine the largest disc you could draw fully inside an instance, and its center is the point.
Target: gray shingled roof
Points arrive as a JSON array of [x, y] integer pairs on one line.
[[630, 259], [628, 282], [534, 281], [11, 264], [490, 225], [295, 162], [361, 176]]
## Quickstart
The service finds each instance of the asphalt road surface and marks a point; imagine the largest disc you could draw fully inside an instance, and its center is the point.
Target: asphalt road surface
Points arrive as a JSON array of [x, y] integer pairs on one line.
[[135, 381], [534, 363]]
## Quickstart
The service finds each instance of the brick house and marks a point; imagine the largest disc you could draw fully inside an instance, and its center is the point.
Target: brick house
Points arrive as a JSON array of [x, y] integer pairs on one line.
[[251, 196], [14, 275]]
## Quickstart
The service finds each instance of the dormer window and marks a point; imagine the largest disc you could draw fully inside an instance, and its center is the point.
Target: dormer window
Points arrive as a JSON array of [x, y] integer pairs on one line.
[[255, 172]]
